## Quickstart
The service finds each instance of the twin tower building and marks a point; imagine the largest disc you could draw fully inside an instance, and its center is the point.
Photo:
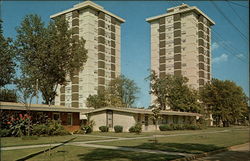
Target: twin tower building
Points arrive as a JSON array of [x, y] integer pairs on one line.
[[180, 45]]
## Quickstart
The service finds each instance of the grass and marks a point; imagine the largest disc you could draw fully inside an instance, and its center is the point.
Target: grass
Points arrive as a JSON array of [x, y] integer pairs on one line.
[[74, 153], [17, 141], [129, 135], [191, 143], [196, 143]]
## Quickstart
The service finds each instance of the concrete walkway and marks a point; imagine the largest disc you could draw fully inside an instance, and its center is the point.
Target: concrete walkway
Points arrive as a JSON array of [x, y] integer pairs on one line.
[[235, 153]]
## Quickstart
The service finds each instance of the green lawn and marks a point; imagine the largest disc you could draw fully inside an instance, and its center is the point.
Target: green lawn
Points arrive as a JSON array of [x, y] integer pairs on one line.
[[193, 143], [17, 141], [196, 143], [74, 153], [129, 135]]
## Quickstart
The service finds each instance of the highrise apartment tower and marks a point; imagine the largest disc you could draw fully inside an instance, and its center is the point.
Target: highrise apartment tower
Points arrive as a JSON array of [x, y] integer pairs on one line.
[[101, 30], [180, 44]]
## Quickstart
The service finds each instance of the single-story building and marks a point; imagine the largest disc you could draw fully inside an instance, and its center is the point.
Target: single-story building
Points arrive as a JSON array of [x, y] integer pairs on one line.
[[72, 118], [127, 117]]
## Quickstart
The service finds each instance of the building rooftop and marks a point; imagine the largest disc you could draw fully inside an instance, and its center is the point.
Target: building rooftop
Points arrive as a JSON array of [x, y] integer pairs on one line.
[[39, 107], [55, 108], [144, 111], [88, 4], [180, 9]]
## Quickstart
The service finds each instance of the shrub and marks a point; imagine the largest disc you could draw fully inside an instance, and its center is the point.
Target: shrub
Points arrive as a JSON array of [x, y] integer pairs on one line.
[[40, 129], [194, 127], [88, 128], [104, 128], [118, 128], [131, 129], [4, 132], [52, 128], [180, 127], [165, 128], [136, 129]]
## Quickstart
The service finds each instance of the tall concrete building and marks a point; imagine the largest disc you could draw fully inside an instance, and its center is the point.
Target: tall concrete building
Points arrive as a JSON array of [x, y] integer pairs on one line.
[[180, 44], [101, 30]]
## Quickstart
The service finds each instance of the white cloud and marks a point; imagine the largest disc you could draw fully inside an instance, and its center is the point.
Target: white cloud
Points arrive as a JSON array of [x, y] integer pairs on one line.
[[222, 58], [215, 45], [240, 55]]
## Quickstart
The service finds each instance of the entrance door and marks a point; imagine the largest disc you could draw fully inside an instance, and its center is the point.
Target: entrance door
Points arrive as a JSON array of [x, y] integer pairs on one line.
[[110, 119]]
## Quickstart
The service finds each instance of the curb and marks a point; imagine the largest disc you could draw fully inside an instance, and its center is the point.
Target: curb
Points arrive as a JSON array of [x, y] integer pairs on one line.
[[196, 156]]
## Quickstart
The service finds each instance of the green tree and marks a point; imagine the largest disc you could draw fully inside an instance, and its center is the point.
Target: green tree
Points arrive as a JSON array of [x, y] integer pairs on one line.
[[96, 101], [48, 54], [172, 91], [225, 100], [121, 92], [156, 115], [181, 97], [7, 64]]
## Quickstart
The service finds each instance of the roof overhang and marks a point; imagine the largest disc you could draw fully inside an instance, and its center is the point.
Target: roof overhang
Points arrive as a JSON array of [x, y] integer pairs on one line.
[[39, 107], [195, 9], [88, 4], [143, 111]]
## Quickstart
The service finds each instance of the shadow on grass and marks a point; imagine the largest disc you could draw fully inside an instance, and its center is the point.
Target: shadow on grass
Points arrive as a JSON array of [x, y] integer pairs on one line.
[[115, 155], [43, 151], [230, 155], [180, 147]]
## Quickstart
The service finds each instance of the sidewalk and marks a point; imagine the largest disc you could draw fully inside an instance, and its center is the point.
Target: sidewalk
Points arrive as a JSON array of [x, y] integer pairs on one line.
[[235, 153]]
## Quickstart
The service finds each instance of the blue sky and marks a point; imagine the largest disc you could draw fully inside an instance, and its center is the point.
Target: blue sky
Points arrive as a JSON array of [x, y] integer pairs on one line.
[[230, 50]]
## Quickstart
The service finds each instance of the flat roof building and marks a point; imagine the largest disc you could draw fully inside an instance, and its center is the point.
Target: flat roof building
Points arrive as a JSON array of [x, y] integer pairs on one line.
[[101, 30], [180, 44]]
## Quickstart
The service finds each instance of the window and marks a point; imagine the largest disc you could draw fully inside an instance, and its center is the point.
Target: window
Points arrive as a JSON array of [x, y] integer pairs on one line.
[[56, 116], [175, 119], [69, 119], [165, 120]]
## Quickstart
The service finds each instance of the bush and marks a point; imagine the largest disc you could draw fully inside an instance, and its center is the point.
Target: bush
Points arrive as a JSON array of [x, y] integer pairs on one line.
[[118, 128], [136, 129], [194, 127], [180, 127], [165, 128], [52, 128], [4, 132], [131, 129], [40, 129], [88, 128], [104, 128]]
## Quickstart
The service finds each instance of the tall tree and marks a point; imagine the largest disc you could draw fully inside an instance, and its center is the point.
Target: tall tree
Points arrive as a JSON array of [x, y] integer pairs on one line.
[[122, 92], [48, 54], [225, 100], [160, 89], [7, 64], [96, 101], [172, 91]]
